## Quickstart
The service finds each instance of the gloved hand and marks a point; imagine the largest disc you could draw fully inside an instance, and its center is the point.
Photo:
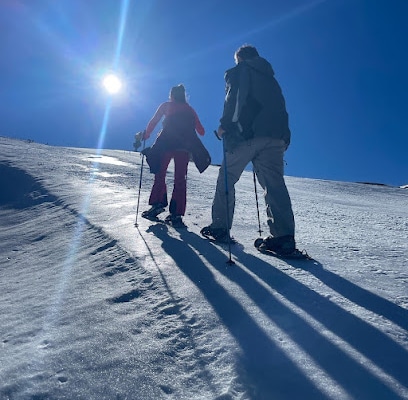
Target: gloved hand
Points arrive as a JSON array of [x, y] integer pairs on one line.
[[139, 136], [219, 132]]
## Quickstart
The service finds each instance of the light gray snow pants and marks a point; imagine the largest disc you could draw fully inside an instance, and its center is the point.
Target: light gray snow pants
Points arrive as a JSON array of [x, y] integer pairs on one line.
[[266, 155]]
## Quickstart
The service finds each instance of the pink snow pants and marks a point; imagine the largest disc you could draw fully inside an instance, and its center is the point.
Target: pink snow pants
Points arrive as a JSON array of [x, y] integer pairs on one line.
[[159, 189]]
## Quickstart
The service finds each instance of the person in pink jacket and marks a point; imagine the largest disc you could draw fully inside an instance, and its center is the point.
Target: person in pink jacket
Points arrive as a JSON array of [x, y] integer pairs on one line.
[[177, 140]]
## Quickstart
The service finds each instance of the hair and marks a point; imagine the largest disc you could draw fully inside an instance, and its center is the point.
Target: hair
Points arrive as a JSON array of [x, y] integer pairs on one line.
[[178, 93], [246, 52]]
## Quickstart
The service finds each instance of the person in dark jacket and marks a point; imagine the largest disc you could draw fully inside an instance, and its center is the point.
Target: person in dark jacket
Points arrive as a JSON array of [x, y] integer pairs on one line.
[[255, 128], [178, 141]]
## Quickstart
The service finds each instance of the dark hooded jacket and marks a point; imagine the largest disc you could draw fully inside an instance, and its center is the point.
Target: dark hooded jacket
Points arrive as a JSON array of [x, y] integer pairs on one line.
[[254, 104]]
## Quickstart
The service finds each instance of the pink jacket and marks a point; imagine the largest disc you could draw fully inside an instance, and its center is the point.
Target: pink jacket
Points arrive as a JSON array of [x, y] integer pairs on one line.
[[170, 108]]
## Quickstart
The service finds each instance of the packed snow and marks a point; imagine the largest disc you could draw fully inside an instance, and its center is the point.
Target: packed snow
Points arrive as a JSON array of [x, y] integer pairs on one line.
[[94, 307]]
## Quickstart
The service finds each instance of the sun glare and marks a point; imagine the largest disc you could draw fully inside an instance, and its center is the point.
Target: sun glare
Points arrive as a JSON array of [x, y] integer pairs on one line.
[[112, 84]]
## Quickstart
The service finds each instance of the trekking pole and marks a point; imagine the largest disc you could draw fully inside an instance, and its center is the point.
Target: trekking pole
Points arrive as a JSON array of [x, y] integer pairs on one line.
[[257, 204], [230, 262], [140, 182]]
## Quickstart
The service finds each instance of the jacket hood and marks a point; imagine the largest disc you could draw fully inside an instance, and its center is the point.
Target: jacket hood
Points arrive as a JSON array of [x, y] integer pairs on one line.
[[261, 65]]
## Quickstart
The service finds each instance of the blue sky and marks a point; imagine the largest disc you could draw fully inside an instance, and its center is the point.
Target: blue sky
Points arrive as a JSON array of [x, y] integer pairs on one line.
[[342, 65]]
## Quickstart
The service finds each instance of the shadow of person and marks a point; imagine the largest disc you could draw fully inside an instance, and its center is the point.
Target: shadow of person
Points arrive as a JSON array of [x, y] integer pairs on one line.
[[362, 297], [375, 345], [258, 347], [262, 365]]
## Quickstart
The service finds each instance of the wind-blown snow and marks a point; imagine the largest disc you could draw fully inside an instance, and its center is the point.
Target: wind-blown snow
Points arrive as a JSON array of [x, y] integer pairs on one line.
[[94, 308]]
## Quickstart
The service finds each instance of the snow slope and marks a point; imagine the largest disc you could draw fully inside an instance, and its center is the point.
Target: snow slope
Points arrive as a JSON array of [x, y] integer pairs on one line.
[[93, 307]]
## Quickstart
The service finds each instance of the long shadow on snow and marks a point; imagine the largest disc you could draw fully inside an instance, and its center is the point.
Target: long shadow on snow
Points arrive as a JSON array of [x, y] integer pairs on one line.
[[352, 376], [266, 366], [366, 339], [356, 294]]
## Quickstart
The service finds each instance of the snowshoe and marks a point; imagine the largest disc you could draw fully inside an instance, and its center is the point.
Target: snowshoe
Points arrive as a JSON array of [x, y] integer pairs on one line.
[[153, 212], [283, 247], [217, 235], [175, 221], [258, 242]]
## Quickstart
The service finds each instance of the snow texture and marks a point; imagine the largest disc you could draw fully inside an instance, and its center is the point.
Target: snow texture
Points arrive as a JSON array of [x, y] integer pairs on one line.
[[93, 307]]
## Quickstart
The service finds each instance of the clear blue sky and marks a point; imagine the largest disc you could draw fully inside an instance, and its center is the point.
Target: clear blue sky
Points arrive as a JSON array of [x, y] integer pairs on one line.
[[342, 65]]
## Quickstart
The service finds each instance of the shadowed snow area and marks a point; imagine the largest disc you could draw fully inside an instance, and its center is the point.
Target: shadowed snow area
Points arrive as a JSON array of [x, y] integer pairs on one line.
[[93, 307]]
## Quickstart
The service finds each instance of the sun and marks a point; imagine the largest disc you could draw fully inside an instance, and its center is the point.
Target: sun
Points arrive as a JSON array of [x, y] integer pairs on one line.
[[112, 83]]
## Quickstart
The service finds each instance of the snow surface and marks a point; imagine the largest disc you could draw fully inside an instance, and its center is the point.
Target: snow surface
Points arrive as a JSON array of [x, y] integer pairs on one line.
[[93, 307]]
